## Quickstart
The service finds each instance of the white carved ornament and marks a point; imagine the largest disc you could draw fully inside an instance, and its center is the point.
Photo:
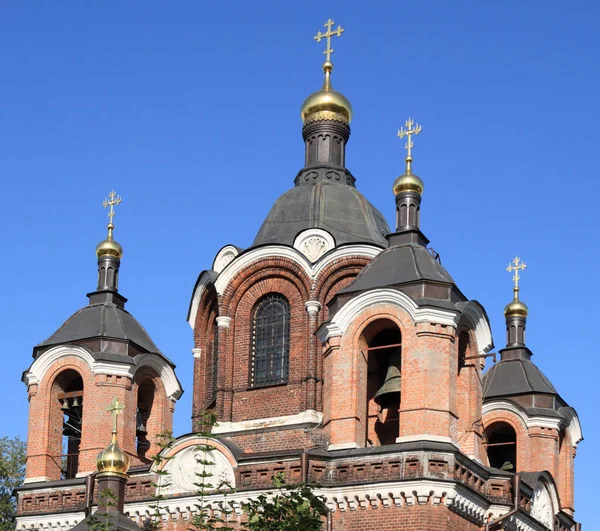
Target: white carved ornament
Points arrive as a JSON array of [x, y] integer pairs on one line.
[[224, 257], [541, 506], [185, 466], [314, 243]]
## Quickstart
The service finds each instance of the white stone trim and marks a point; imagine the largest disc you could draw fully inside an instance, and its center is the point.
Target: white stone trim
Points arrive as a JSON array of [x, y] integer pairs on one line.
[[433, 438], [313, 307], [343, 446], [165, 371], [345, 316], [224, 257], [201, 284], [479, 323], [40, 366], [37, 479], [314, 243], [197, 352], [53, 522], [223, 321], [573, 425], [309, 417], [537, 421]]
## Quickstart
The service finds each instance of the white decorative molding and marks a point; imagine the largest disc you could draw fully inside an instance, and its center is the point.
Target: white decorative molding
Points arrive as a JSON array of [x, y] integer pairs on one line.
[[433, 438], [53, 522], [223, 321], [347, 313], [312, 307], [480, 324], [243, 260], [308, 418], [536, 421], [542, 508], [573, 425], [40, 366], [343, 446], [184, 466], [164, 370], [314, 243], [224, 257], [37, 479], [197, 352]]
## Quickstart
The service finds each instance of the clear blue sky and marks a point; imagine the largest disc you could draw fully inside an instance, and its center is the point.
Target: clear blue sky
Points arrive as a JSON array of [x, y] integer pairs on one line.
[[190, 110]]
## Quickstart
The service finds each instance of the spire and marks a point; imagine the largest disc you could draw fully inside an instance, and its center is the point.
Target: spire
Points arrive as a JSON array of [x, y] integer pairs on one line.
[[516, 311], [408, 188], [109, 254], [326, 116]]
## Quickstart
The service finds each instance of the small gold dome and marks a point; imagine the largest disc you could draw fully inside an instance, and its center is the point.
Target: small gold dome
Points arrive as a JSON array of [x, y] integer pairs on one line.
[[408, 183], [326, 104], [516, 309], [109, 248], [112, 459]]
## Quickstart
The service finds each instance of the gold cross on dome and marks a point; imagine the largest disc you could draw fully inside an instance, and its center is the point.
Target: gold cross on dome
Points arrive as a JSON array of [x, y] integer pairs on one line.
[[412, 128], [115, 408], [111, 201], [516, 266], [328, 34]]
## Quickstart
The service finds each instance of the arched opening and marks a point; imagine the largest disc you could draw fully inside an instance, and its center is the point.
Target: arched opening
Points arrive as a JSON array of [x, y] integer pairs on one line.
[[213, 349], [501, 446], [145, 402], [68, 407], [383, 357]]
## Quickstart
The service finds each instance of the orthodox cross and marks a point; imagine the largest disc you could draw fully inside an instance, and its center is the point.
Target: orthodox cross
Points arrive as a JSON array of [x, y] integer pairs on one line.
[[328, 51], [111, 201], [115, 408], [412, 128], [516, 267]]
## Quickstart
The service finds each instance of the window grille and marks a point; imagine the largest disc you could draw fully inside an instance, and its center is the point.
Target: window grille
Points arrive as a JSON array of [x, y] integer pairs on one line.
[[215, 362], [270, 341]]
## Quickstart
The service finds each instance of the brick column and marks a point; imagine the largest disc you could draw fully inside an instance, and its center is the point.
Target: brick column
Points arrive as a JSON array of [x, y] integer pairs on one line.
[[426, 407], [543, 449], [225, 375], [313, 308]]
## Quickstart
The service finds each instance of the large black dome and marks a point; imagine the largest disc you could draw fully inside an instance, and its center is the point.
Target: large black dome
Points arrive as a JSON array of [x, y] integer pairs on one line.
[[337, 208]]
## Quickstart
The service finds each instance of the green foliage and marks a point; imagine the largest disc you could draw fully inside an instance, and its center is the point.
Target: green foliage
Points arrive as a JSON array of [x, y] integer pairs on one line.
[[101, 520], [209, 516], [12, 473], [164, 441], [291, 508]]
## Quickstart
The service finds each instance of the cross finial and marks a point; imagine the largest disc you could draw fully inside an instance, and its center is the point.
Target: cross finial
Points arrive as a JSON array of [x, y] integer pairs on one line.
[[516, 266], [110, 202], [115, 409], [412, 128], [328, 34]]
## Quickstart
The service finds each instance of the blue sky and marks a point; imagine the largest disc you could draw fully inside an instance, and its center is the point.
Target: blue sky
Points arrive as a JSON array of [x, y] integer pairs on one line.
[[190, 110]]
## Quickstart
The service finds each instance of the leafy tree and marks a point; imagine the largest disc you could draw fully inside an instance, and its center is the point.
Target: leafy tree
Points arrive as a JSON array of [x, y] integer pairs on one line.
[[12, 473], [293, 507], [209, 516]]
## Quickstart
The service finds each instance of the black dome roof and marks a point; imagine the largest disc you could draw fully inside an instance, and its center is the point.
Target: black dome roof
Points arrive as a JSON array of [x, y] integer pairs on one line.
[[337, 208]]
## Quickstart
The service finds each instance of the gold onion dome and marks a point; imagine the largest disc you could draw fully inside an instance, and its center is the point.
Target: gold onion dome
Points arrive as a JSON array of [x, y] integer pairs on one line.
[[112, 459], [408, 182], [326, 104], [109, 247], [516, 308]]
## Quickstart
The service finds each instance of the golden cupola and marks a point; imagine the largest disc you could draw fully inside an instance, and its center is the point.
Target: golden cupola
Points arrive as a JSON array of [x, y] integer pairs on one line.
[[113, 460], [327, 104]]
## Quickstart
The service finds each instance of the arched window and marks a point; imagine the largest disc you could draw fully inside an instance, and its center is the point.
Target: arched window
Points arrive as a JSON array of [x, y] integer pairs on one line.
[[501, 446], [269, 360], [68, 388], [145, 403]]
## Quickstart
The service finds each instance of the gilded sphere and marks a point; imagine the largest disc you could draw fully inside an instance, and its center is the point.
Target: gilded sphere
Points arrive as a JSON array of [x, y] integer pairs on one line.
[[327, 102], [109, 248], [112, 459], [408, 183], [516, 309]]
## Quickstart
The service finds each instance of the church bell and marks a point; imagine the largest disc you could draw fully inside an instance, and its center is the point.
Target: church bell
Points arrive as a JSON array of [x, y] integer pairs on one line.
[[389, 393]]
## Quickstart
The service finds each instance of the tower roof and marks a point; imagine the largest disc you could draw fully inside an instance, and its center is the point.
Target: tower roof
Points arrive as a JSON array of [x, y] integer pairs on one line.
[[337, 208]]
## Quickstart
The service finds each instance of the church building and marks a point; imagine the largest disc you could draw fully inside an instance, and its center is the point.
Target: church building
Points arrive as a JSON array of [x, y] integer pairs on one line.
[[334, 349]]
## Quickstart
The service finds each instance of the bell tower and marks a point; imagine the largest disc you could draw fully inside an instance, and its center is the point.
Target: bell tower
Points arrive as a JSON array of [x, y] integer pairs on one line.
[[101, 352]]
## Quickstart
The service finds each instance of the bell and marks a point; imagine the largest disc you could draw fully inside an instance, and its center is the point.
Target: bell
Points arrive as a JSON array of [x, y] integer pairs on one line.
[[75, 402], [65, 405], [140, 425], [389, 393], [508, 466]]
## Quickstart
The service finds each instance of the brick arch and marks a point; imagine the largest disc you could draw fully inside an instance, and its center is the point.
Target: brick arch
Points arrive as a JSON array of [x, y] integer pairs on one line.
[[469, 393], [160, 417], [208, 304], [277, 267], [243, 402], [330, 273], [516, 422], [46, 418]]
